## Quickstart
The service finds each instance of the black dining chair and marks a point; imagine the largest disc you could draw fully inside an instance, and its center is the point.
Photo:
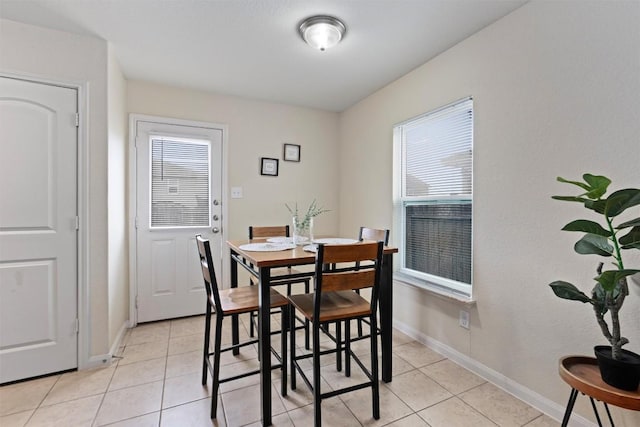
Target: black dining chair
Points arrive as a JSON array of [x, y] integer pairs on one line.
[[357, 266], [365, 234], [280, 276], [377, 235], [226, 302]]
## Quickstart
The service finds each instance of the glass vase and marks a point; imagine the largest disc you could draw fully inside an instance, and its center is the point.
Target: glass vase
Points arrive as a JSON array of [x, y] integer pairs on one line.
[[302, 231]]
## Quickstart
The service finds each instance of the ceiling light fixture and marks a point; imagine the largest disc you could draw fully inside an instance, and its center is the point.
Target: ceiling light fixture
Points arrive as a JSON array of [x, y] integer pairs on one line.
[[322, 32]]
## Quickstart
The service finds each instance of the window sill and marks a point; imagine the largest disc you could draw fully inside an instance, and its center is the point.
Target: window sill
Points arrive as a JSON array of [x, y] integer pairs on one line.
[[438, 291]]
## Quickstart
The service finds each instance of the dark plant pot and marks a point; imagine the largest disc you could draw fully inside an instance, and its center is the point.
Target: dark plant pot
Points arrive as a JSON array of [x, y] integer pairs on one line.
[[624, 373]]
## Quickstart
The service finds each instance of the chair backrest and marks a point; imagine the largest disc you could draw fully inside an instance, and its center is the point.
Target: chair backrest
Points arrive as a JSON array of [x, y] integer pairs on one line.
[[208, 272], [351, 276], [264, 232], [374, 234]]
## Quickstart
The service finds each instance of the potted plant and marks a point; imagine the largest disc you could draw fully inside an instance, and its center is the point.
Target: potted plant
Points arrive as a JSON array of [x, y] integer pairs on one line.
[[611, 287]]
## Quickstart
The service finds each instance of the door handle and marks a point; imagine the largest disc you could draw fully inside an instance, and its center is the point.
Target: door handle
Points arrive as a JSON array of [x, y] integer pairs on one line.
[[215, 230]]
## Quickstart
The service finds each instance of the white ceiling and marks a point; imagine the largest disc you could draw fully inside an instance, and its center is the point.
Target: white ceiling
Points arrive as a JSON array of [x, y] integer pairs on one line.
[[251, 48]]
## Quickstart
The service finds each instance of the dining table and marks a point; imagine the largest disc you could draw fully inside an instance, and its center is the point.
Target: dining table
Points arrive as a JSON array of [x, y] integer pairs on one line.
[[258, 260]]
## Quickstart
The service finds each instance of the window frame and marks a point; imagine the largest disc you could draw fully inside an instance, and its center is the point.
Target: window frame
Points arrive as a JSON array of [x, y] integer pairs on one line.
[[437, 284]]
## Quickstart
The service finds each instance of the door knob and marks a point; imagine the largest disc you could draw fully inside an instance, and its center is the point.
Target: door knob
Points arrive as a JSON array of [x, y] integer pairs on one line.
[[216, 203], [215, 230], [215, 217]]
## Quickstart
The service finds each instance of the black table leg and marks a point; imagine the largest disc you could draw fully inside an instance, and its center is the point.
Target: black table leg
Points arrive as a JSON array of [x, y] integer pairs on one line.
[[386, 315], [264, 344], [235, 328], [595, 411], [608, 413], [567, 412]]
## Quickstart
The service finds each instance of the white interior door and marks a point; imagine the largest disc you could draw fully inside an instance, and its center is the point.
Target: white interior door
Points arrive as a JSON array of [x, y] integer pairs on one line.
[[178, 187], [38, 236]]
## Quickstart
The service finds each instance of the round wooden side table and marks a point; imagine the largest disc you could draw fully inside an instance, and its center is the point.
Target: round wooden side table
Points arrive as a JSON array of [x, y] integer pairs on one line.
[[583, 375]]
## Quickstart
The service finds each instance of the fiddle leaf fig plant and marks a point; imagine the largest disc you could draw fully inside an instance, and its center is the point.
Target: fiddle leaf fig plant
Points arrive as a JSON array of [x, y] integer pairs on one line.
[[607, 240]]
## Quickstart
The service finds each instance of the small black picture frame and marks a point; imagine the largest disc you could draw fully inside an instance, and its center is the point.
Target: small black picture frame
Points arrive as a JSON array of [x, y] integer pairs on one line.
[[268, 166], [291, 153]]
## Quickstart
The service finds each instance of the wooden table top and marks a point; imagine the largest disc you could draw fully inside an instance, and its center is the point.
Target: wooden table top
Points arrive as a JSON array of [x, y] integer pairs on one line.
[[582, 373], [297, 256]]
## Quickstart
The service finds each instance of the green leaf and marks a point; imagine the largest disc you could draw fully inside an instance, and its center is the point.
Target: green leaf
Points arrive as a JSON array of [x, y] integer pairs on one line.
[[592, 244], [627, 224], [566, 290], [632, 238], [570, 198], [587, 226], [621, 200], [598, 185], [632, 246], [596, 205], [598, 299], [609, 279], [578, 183]]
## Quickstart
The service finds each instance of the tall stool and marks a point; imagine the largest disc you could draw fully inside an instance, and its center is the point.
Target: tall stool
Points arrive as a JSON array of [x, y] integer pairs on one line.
[[227, 302], [334, 300]]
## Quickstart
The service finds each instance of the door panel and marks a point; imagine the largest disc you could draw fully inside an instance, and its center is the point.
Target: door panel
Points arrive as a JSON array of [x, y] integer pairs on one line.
[[178, 187], [38, 237]]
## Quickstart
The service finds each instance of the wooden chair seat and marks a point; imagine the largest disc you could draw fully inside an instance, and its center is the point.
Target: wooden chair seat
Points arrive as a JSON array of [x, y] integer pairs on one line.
[[333, 305], [284, 271], [245, 299]]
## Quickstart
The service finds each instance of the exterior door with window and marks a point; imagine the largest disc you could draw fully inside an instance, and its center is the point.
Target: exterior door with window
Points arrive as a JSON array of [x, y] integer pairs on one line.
[[178, 187]]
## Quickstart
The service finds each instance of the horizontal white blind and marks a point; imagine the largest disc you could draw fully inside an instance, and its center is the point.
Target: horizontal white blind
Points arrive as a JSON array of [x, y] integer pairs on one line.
[[437, 153], [179, 183]]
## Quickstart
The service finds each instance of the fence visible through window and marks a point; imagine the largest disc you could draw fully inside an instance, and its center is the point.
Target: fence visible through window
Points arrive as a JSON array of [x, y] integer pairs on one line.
[[437, 240]]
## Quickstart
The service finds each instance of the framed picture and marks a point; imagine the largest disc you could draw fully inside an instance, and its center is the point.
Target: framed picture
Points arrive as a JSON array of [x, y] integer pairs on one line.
[[291, 153], [268, 166]]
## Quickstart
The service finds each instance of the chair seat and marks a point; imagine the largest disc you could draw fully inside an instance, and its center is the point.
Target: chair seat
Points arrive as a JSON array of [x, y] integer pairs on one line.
[[245, 299], [283, 271], [334, 305]]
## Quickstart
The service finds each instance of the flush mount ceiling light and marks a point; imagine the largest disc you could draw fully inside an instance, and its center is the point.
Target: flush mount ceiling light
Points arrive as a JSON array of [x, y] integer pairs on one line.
[[322, 32]]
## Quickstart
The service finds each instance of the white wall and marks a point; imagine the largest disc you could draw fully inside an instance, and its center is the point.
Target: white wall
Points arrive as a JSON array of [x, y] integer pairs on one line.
[[259, 129], [555, 87], [67, 58], [118, 252]]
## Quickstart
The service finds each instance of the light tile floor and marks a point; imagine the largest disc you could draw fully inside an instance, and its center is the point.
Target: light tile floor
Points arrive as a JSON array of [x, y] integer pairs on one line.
[[155, 381]]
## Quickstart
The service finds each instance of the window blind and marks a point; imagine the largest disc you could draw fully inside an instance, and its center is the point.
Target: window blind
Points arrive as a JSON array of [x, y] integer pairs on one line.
[[179, 183], [437, 151]]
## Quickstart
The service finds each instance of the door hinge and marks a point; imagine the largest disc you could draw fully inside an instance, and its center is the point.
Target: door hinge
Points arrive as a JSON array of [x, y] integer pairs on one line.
[[135, 222], [136, 302], [77, 119], [77, 223], [77, 326]]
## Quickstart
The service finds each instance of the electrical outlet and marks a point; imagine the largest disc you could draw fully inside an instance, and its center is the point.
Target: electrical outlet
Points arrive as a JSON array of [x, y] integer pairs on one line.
[[464, 319], [236, 192]]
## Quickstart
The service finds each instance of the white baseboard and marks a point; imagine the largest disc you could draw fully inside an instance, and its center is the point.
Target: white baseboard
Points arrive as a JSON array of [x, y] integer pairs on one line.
[[105, 359], [541, 403]]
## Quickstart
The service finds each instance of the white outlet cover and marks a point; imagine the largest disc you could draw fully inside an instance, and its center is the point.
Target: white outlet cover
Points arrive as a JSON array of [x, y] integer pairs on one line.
[[236, 192]]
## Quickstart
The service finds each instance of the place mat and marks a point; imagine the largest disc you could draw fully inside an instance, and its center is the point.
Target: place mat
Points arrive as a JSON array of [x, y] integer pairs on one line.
[[287, 240], [280, 239], [267, 247], [328, 241], [335, 241]]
